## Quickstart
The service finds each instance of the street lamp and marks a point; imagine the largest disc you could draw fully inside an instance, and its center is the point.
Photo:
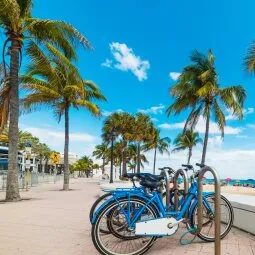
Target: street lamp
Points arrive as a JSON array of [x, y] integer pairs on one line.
[[113, 135], [28, 148]]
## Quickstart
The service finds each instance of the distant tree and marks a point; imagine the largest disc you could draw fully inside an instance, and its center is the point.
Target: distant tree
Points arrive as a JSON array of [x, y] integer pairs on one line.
[[119, 124], [102, 152], [142, 133], [157, 144], [187, 140]]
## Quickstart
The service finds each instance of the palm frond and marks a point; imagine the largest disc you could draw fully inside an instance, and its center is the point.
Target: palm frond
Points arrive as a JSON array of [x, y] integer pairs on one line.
[[249, 60], [91, 107], [9, 13], [177, 149], [25, 7], [219, 117]]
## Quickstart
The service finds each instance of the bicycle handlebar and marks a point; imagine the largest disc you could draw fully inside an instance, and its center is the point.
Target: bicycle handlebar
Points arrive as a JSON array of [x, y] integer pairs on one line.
[[200, 165]]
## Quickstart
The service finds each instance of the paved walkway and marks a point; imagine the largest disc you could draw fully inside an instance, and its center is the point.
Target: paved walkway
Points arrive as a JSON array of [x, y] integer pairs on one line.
[[56, 222]]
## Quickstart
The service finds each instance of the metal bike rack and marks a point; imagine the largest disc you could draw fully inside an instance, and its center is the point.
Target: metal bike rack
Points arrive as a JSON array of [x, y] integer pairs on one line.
[[183, 173], [217, 220], [166, 174]]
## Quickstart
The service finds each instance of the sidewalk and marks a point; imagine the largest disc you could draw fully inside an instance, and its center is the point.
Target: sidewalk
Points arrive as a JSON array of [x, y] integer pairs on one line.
[[56, 223]]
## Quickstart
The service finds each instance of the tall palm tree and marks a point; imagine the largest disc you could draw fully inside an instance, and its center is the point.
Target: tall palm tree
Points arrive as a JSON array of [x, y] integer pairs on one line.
[[120, 124], [19, 26], [44, 152], [102, 152], [157, 144], [54, 82], [198, 89], [118, 152], [142, 133], [133, 157], [187, 140]]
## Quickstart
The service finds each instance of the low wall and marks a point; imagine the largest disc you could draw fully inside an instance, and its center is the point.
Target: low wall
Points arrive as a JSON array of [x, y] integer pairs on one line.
[[244, 211]]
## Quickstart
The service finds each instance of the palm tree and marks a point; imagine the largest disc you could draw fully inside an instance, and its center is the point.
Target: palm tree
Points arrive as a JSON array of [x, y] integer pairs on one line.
[[23, 137], [55, 83], [119, 124], [19, 26], [102, 152], [44, 152], [142, 133], [133, 157], [118, 155], [157, 144], [198, 89], [187, 140]]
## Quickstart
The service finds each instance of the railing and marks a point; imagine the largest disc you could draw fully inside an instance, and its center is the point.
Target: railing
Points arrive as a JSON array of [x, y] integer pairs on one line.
[[217, 215], [34, 179]]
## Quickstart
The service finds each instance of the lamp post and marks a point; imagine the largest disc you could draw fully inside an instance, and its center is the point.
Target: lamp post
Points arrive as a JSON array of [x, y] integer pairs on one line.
[[28, 148], [112, 143]]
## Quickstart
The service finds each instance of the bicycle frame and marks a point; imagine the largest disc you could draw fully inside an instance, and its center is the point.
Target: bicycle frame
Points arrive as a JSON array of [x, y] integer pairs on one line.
[[154, 198]]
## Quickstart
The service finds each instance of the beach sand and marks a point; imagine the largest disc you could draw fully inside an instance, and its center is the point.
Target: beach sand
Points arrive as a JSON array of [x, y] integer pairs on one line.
[[232, 190]]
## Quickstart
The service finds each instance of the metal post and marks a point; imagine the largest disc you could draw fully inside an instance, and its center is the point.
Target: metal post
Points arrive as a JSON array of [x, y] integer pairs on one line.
[[186, 186], [217, 216], [165, 171], [111, 170]]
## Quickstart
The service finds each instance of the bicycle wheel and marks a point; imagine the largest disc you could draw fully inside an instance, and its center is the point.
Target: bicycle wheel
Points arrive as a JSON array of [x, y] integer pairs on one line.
[[117, 224], [109, 244], [227, 217], [97, 204]]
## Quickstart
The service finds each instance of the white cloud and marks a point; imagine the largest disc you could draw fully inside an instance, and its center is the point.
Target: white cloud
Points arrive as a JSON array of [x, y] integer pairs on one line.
[[200, 127], [233, 163], [246, 112], [108, 113], [153, 110], [215, 141], [174, 75], [126, 60], [80, 143], [107, 63]]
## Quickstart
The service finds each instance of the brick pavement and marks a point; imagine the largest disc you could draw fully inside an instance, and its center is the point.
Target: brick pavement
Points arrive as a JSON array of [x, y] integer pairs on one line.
[[53, 222]]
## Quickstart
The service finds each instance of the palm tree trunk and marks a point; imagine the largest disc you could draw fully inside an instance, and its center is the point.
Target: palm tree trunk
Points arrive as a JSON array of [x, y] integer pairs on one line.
[[190, 154], [12, 189], [66, 150], [206, 137], [154, 164], [138, 158], [103, 165], [124, 167], [41, 168], [120, 168]]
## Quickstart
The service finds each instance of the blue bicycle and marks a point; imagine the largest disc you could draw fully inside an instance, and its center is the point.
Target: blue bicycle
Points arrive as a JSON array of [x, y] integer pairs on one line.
[[135, 219]]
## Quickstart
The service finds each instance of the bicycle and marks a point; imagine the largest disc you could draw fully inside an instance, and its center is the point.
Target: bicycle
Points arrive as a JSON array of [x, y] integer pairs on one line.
[[147, 218]]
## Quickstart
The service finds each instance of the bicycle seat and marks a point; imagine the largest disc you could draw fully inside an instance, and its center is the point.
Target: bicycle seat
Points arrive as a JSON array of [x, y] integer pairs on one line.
[[150, 176], [188, 166], [150, 183]]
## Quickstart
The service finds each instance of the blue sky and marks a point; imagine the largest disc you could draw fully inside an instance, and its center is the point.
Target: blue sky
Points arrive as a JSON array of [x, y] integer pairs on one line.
[[137, 45]]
